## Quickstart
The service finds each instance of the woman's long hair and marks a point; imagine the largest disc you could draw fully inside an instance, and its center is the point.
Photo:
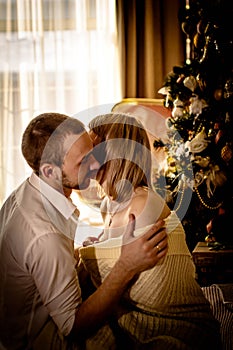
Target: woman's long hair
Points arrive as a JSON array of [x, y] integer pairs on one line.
[[127, 162]]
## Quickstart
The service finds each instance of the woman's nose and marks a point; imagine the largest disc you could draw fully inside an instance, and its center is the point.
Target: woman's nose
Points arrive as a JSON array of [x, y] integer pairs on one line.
[[94, 164]]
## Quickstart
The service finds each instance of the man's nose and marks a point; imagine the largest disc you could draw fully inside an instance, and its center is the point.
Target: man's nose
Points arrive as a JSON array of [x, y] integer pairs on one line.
[[94, 164]]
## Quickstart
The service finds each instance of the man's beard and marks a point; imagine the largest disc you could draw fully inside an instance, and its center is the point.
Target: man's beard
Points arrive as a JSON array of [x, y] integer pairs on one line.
[[66, 183]]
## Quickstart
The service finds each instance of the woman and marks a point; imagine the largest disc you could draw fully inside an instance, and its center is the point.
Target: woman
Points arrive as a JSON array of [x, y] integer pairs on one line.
[[165, 307]]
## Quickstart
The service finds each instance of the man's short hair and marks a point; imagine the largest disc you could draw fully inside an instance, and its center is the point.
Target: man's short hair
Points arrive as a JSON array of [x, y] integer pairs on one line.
[[48, 129]]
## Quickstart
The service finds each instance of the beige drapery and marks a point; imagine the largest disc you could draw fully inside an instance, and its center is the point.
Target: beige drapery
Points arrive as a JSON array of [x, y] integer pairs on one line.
[[63, 55], [56, 55], [151, 43]]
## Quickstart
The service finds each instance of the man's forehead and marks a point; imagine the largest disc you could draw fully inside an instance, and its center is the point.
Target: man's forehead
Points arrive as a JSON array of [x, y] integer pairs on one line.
[[73, 138], [81, 144]]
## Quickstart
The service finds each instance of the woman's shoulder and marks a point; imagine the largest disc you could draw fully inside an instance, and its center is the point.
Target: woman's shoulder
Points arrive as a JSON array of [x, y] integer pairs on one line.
[[148, 206]]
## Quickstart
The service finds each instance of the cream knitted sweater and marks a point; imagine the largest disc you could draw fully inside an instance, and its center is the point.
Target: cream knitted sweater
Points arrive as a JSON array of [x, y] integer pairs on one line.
[[168, 288]]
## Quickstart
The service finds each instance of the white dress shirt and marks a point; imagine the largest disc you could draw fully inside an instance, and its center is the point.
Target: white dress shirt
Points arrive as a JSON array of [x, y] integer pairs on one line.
[[38, 280]]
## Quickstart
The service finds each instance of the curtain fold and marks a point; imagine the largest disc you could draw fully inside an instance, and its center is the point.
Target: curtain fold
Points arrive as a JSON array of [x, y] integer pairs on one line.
[[56, 55], [151, 43]]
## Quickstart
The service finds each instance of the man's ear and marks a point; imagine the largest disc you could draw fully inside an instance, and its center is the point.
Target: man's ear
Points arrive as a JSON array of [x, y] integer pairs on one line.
[[50, 171], [46, 170]]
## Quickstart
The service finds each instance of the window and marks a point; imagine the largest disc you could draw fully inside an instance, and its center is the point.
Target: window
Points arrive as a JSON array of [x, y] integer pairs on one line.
[[56, 55]]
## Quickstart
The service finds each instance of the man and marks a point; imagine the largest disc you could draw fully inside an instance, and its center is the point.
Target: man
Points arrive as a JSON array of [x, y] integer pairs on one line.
[[41, 303]]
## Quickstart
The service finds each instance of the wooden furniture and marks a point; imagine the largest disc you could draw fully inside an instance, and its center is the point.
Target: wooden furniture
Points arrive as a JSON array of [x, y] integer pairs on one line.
[[213, 266], [152, 103], [151, 112]]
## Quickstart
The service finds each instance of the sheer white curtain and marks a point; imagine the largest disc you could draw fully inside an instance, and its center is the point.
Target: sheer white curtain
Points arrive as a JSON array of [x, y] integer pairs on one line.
[[56, 55]]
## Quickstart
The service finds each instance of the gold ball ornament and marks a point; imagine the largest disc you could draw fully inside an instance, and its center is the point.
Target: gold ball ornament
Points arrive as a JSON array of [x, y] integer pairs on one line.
[[210, 238], [226, 153], [218, 94]]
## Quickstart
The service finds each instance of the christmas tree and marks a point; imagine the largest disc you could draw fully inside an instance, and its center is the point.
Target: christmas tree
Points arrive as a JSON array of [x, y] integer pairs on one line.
[[199, 149]]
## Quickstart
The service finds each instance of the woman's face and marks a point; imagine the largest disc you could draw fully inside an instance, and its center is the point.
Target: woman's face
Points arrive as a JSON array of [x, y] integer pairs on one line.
[[99, 152]]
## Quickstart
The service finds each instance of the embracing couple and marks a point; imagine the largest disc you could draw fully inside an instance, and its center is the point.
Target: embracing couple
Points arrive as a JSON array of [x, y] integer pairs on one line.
[[144, 293]]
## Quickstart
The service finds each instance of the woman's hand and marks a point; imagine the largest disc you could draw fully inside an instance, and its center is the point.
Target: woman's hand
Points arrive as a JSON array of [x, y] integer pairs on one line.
[[90, 241]]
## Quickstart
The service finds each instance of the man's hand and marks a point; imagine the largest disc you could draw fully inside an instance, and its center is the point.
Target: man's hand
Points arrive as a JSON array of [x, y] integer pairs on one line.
[[142, 253]]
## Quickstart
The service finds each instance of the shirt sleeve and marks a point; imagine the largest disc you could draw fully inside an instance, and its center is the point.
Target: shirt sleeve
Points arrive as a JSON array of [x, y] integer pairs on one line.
[[51, 263]]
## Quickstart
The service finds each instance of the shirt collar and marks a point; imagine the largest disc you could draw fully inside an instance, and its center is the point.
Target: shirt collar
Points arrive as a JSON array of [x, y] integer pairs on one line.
[[57, 199]]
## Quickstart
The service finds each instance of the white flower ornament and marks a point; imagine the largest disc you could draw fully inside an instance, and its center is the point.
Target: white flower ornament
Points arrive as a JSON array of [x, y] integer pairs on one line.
[[190, 83], [178, 109], [196, 105], [198, 143]]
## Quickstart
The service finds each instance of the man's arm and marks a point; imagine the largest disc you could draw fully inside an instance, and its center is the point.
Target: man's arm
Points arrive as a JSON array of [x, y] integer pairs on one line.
[[137, 255]]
